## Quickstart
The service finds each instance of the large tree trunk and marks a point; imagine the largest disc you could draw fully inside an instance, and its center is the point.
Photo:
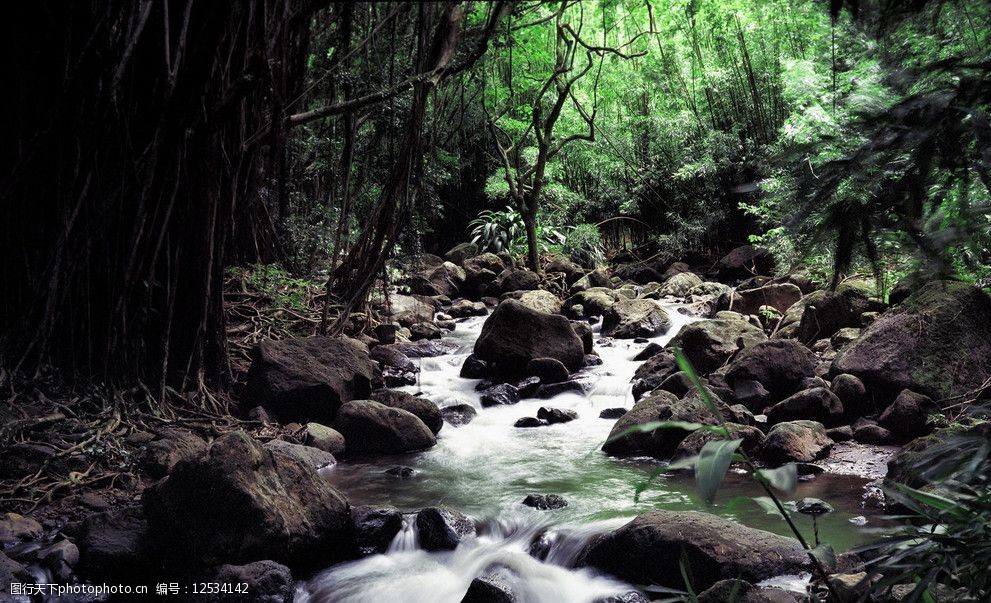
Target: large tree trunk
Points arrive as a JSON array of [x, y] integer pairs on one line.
[[137, 143]]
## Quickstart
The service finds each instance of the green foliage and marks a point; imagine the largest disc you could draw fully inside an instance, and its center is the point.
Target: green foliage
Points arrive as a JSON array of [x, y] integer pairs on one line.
[[583, 245], [496, 231], [281, 288]]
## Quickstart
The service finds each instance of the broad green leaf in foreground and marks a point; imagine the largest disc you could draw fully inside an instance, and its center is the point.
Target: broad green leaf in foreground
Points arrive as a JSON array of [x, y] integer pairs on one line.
[[714, 460]]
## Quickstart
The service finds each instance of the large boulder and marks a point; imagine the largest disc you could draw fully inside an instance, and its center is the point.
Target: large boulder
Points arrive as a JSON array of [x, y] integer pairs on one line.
[[512, 279], [708, 344], [113, 544], [446, 279], [461, 252], [659, 443], [779, 296], [679, 284], [304, 379], [515, 334], [631, 318], [800, 441], [937, 342], [242, 502], [408, 310], [780, 366], [745, 261], [266, 582], [815, 404], [424, 409], [572, 271], [374, 528], [594, 302], [908, 416], [541, 301], [481, 270], [652, 373], [829, 312], [650, 550], [373, 427]]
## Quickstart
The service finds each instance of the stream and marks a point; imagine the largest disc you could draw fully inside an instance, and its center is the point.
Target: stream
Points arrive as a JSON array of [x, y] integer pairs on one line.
[[487, 467]]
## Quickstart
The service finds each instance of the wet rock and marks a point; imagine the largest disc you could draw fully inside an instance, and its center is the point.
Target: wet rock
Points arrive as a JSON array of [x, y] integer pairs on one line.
[[112, 544], [631, 318], [511, 279], [548, 370], [313, 458], [852, 394], [443, 529], [872, 433], [424, 409], [375, 527], [752, 437], [850, 586], [779, 365], [592, 360], [306, 379], [16, 528], [844, 336], [541, 301], [596, 278], [170, 447], [556, 415], [372, 427], [908, 416], [708, 344], [425, 349], [638, 272], [387, 355], [490, 588], [653, 372], [386, 332], [594, 302], [842, 433], [324, 438], [461, 252], [572, 271], [446, 279], [459, 414], [527, 387], [612, 413], [500, 395], [400, 471], [678, 384], [243, 501], [473, 368], [266, 581], [779, 296], [12, 572], [649, 550], [425, 330], [751, 393], [741, 591], [514, 334], [409, 309], [482, 270], [550, 390], [801, 441], [816, 404], [660, 443], [826, 314], [628, 597], [526, 422], [678, 285], [905, 466], [545, 502], [745, 261], [648, 351], [464, 308], [584, 332], [60, 558]]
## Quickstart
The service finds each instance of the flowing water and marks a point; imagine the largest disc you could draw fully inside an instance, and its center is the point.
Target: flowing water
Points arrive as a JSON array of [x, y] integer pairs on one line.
[[485, 468]]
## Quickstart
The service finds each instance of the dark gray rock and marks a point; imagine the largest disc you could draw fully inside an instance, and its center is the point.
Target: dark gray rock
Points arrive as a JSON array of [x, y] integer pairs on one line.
[[545, 502], [816, 404], [526, 422], [779, 365], [908, 416], [548, 370], [443, 529], [267, 582], [374, 528], [473, 368], [556, 415], [500, 395], [459, 414], [514, 334], [612, 413], [801, 441], [373, 427], [708, 344], [629, 318], [424, 409]]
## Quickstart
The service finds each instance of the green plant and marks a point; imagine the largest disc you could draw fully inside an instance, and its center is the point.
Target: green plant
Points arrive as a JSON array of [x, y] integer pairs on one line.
[[715, 458], [946, 539], [281, 287], [583, 245], [496, 230]]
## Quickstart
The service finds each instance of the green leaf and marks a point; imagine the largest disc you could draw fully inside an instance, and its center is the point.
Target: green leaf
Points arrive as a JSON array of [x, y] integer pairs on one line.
[[825, 555], [685, 365], [642, 486], [714, 461], [784, 478], [931, 500]]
